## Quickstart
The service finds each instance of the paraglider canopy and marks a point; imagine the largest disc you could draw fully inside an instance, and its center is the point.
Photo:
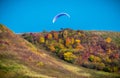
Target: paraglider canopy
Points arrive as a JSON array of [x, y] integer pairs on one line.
[[59, 15]]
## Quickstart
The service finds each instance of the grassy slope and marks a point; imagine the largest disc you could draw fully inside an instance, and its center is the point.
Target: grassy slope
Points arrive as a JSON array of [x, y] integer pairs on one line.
[[21, 59]]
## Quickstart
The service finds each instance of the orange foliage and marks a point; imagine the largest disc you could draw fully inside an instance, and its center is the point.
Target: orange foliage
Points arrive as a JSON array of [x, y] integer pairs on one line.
[[109, 51], [79, 47], [55, 35], [68, 42], [52, 48], [49, 36], [108, 40]]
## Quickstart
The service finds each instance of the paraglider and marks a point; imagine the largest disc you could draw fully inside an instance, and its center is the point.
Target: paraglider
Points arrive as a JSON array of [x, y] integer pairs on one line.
[[59, 15]]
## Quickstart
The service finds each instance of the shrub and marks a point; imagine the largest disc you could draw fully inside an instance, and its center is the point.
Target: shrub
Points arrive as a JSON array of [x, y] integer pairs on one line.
[[115, 69], [107, 69], [68, 42], [100, 66], [52, 48], [77, 41], [78, 46], [61, 53], [65, 34], [29, 38], [89, 65], [49, 36], [55, 35], [97, 59], [108, 40], [72, 40], [42, 40], [107, 59], [69, 56], [91, 58]]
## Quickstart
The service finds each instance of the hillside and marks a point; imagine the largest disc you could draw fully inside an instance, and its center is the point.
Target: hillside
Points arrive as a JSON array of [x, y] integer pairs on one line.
[[90, 49], [21, 59]]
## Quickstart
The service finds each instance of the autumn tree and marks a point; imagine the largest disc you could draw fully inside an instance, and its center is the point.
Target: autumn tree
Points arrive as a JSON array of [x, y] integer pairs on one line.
[[69, 56], [55, 35], [100, 66], [49, 36], [94, 58], [107, 59], [108, 40], [61, 46], [61, 41], [65, 34], [77, 45], [68, 42], [77, 40], [52, 48], [109, 51], [72, 41], [41, 39], [91, 58]]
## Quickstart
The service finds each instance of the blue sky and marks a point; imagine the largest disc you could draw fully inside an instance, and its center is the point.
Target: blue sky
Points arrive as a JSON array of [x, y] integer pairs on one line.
[[37, 15]]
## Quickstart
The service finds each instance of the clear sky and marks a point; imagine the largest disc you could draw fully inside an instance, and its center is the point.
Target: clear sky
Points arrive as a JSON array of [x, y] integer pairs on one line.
[[37, 15]]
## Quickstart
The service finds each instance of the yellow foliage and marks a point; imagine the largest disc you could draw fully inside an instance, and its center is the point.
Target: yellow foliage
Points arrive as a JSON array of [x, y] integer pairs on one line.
[[72, 41], [94, 58], [61, 41], [108, 40], [107, 59], [61, 46], [69, 56], [79, 34], [46, 42], [97, 59], [77, 41], [102, 64], [42, 40], [52, 48], [91, 58]]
